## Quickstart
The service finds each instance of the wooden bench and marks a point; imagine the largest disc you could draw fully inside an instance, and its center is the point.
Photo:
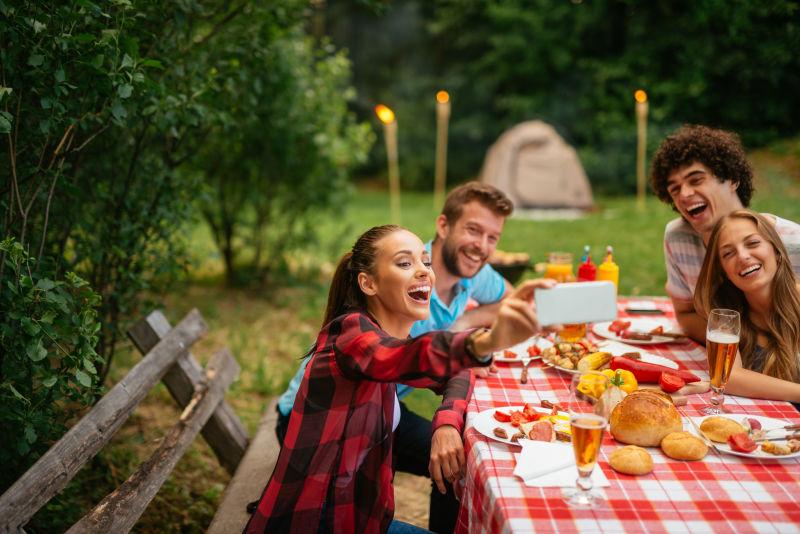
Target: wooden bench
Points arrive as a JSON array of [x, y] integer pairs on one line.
[[201, 396]]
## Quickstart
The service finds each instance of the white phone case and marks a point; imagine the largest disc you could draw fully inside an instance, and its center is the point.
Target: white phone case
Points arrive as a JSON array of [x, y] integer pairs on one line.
[[576, 302]]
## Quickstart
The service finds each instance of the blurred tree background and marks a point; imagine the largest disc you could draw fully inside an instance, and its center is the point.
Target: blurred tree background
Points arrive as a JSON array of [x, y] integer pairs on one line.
[[574, 64]]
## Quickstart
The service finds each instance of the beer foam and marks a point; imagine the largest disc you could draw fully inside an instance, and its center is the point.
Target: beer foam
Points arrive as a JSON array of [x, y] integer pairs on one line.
[[722, 337]]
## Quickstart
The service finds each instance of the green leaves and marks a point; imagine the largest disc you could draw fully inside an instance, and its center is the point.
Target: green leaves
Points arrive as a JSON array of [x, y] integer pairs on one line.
[[5, 122], [35, 60], [47, 336], [36, 351], [83, 378], [125, 90]]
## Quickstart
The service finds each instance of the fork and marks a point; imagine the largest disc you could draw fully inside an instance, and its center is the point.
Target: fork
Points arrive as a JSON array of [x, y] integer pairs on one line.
[[523, 377], [787, 437]]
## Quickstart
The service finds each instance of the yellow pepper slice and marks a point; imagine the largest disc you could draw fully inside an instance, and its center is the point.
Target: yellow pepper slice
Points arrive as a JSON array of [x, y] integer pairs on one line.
[[623, 379], [592, 385]]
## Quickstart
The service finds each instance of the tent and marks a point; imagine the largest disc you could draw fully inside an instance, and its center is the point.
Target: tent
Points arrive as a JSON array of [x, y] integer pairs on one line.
[[536, 168]]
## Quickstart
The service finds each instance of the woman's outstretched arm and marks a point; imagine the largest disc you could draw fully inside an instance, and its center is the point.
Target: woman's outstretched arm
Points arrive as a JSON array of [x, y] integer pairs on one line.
[[752, 384]]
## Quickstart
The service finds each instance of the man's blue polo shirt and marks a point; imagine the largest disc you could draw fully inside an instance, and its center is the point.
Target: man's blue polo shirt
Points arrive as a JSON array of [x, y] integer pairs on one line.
[[485, 287]]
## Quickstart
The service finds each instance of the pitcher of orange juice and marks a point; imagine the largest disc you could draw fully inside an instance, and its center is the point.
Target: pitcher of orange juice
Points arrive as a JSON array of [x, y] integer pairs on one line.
[[559, 267]]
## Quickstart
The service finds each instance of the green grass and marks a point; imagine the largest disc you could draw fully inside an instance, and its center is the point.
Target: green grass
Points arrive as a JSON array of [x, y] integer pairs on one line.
[[269, 329]]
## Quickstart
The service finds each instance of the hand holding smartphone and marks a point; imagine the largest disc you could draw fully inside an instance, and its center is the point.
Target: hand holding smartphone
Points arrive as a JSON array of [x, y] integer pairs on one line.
[[576, 302]]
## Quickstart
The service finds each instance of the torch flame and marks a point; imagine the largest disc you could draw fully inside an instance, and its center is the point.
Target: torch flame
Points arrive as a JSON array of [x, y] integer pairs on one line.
[[442, 97], [640, 96], [385, 114]]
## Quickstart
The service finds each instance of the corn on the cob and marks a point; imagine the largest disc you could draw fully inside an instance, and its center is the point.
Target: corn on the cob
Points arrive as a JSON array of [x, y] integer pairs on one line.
[[594, 361]]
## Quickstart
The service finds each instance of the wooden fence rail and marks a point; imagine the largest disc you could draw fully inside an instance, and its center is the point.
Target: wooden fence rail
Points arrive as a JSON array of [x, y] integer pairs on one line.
[[201, 395], [56, 468]]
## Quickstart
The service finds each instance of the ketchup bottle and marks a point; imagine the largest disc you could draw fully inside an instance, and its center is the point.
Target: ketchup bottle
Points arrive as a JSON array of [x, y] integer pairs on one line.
[[586, 270]]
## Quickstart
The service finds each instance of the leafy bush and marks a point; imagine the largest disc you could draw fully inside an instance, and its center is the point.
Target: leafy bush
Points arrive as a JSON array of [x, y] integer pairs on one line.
[[285, 152], [48, 365]]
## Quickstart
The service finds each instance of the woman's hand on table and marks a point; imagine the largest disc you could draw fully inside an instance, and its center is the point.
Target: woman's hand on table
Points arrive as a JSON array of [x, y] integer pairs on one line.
[[484, 372], [447, 456], [516, 320]]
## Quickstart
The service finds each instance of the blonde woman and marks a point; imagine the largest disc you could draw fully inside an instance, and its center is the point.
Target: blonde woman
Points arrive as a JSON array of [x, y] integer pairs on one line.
[[747, 269]]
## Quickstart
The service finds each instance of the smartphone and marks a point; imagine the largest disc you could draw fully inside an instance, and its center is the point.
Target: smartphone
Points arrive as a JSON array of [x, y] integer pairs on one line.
[[576, 302], [642, 306]]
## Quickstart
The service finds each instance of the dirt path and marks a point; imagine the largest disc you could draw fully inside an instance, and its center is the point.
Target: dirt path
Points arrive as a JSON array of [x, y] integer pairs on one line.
[[412, 495]]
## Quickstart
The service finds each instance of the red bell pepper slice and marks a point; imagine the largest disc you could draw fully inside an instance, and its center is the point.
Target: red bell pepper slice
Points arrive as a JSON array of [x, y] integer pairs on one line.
[[650, 372]]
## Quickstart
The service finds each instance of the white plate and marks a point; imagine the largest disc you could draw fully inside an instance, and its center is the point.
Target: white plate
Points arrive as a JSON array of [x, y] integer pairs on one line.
[[548, 365], [618, 349], [766, 424], [521, 350], [637, 325], [485, 423]]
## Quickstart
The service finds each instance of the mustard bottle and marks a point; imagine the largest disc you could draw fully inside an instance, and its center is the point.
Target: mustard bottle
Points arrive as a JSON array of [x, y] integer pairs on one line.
[[608, 270]]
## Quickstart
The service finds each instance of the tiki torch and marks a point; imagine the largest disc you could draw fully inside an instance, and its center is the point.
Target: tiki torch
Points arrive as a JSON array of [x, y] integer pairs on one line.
[[386, 116], [442, 120], [641, 145]]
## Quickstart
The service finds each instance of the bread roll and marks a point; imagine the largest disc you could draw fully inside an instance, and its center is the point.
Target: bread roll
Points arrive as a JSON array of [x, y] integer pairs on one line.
[[684, 446], [631, 460], [720, 428], [644, 417]]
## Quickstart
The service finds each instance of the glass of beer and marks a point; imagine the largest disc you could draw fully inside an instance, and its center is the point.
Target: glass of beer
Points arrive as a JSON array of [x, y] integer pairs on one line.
[[722, 342], [587, 420]]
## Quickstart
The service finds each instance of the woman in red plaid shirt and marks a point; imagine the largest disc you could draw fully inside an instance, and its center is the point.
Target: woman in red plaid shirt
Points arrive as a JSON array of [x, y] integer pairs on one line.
[[334, 472]]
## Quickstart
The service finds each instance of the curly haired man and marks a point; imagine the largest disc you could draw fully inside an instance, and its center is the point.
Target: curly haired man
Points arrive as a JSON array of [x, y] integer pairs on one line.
[[703, 174]]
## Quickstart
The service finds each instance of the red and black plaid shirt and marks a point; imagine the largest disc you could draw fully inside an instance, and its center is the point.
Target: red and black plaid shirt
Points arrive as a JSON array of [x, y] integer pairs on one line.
[[335, 468]]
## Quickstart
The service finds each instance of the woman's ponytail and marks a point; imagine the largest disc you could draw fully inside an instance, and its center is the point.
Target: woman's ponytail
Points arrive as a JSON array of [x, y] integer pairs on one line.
[[344, 292]]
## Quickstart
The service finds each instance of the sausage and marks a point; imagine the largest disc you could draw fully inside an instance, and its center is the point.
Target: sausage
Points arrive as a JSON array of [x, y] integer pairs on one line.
[[500, 433]]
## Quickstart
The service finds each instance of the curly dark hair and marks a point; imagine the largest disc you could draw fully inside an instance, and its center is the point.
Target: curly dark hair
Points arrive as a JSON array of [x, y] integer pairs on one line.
[[721, 151]]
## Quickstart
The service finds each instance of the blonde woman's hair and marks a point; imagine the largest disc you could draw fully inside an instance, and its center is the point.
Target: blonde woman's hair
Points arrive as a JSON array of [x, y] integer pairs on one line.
[[715, 290]]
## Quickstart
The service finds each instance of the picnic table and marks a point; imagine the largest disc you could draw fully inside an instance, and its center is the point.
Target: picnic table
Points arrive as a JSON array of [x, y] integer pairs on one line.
[[721, 493]]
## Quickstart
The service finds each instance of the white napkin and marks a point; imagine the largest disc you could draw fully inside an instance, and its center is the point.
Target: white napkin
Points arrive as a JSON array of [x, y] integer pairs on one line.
[[551, 464]]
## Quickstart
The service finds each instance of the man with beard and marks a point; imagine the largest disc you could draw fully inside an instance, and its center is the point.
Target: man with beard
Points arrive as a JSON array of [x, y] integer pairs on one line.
[[467, 232], [703, 173]]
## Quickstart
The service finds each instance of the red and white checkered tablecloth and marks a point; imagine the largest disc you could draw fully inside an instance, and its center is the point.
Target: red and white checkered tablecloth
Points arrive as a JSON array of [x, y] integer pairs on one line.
[[721, 493]]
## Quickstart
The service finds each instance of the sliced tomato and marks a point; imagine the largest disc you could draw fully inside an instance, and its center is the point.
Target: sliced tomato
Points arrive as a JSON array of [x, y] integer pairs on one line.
[[741, 442], [517, 418], [619, 325], [671, 383], [502, 417], [509, 354], [530, 413], [533, 350]]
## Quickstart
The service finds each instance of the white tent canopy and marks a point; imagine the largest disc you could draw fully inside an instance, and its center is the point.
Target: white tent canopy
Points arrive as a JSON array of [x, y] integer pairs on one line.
[[536, 168]]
